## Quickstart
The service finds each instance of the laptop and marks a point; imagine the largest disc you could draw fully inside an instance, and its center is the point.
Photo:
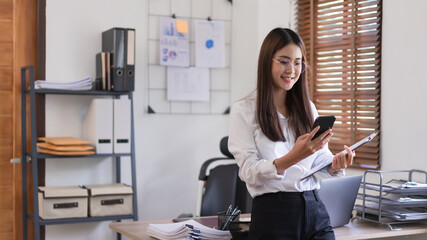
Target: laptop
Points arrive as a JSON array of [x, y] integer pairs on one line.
[[339, 196]]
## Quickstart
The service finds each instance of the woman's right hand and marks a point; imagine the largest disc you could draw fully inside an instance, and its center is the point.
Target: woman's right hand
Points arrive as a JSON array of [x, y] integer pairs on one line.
[[305, 147]]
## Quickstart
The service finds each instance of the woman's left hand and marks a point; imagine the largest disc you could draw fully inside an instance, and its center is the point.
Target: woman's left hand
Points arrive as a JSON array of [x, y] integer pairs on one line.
[[341, 160]]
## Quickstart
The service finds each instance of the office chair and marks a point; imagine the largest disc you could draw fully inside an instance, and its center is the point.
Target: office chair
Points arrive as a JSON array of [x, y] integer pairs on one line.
[[221, 187]]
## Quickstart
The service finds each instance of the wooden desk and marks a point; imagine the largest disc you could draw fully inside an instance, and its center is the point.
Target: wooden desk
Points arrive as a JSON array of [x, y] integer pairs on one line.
[[360, 229], [357, 229]]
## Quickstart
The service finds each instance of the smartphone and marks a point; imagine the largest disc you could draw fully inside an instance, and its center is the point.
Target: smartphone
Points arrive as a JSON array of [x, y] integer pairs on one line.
[[325, 123]]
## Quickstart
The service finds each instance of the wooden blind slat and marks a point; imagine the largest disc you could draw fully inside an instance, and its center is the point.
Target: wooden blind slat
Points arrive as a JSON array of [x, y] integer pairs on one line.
[[362, 4], [341, 60], [327, 73], [338, 4], [347, 108], [334, 12], [332, 16], [343, 102], [344, 76], [329, 32], [375, 15], [367, 10], [359, 80], [345, 52], [344, 96], [362, 94], [344, 19], [340, 86], [367, 22], [342, 131]]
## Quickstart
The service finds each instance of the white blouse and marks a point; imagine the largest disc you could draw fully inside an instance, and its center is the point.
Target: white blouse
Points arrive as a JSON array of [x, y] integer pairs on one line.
[[255, 153]]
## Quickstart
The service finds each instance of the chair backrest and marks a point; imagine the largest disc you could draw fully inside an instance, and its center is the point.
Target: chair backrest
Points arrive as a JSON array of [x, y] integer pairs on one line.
[[223, 186]]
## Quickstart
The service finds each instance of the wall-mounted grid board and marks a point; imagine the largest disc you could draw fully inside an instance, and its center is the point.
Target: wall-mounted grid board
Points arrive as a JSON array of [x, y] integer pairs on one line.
[[220, 78]]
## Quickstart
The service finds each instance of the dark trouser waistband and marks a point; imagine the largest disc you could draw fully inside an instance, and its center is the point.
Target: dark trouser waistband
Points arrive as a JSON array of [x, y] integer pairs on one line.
[[282, 195]]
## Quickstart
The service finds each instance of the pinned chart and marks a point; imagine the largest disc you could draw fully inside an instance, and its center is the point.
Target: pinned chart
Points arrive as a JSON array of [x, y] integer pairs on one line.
[[188, 84], [174, 42], [210, 43]]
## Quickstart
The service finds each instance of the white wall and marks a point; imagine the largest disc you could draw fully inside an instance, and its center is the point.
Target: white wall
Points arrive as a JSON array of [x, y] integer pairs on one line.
[[171, 148], [252, 20], [244, 54], [404, 85]]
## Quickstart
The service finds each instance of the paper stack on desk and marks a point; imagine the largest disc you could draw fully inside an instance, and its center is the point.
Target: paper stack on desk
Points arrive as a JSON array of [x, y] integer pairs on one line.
[[189, 229]]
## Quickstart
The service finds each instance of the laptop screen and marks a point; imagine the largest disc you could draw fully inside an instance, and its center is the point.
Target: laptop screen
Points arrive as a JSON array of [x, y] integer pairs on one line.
[[339, 196]]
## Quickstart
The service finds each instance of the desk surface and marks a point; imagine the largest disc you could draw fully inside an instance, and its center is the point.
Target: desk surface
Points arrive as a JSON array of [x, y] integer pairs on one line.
[[357, 229]]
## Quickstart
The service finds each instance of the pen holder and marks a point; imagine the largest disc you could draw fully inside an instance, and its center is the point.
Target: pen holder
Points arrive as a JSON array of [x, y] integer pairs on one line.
[[228, 221]]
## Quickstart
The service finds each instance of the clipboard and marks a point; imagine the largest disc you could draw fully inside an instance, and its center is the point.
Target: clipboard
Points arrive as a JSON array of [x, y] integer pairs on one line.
[[352, 147]]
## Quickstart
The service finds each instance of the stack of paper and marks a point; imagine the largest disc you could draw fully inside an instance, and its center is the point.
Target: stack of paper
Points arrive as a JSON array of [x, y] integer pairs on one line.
[[65, 146], [189, 229], [395, 200], [395, 212], [82, 84], [401, 187]]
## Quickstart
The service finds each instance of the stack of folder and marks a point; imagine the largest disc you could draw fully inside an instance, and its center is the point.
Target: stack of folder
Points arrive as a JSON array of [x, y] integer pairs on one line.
[[115, 65], [65, 146], [189, 229]]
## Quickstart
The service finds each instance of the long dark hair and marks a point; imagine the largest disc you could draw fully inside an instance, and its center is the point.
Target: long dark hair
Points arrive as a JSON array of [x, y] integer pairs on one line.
[[297, 98]]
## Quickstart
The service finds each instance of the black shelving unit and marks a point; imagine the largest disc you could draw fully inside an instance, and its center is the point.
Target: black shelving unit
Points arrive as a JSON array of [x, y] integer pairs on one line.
[[34, 156]]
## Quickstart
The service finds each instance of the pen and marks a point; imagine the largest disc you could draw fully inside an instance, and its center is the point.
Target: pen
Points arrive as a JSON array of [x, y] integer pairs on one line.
[[234, 210], [228, 210], [235, 213]]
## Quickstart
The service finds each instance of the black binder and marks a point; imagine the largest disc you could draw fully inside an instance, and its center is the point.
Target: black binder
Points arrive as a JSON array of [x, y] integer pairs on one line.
[[130, 60], [120, 42]]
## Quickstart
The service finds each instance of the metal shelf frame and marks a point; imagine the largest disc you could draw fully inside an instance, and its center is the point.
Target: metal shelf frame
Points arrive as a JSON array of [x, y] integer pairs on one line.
[[34, 156], [381, 217]]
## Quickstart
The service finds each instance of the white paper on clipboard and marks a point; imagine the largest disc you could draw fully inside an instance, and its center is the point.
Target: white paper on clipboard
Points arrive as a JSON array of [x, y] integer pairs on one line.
[[326, 163]]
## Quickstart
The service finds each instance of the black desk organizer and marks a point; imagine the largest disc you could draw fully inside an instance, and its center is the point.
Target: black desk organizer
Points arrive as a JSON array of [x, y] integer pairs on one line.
[[396, 201], [34, 156], [239, 230]]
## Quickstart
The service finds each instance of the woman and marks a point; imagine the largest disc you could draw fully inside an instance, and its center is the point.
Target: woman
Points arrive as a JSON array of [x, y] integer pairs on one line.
[[270, 138]]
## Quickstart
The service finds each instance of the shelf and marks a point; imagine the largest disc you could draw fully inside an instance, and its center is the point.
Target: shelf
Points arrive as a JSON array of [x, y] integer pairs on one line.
[[44, 155], [83, 220], [34, 214], [71, 92]]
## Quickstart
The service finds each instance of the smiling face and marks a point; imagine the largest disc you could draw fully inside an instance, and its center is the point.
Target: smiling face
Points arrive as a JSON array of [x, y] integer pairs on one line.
[[286, 68]]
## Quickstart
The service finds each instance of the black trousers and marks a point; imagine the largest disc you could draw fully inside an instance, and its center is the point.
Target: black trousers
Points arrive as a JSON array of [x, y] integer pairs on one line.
[[290, 215]]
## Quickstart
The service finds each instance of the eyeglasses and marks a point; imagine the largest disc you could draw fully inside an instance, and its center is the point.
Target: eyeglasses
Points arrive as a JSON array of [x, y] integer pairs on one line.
[[286, 63]]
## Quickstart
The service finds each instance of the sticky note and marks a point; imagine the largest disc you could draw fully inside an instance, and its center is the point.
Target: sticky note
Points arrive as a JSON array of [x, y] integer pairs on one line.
[[182, 26]]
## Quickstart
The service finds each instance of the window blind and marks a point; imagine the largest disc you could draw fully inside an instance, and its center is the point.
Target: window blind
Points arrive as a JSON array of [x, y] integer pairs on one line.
[[343, 43]]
